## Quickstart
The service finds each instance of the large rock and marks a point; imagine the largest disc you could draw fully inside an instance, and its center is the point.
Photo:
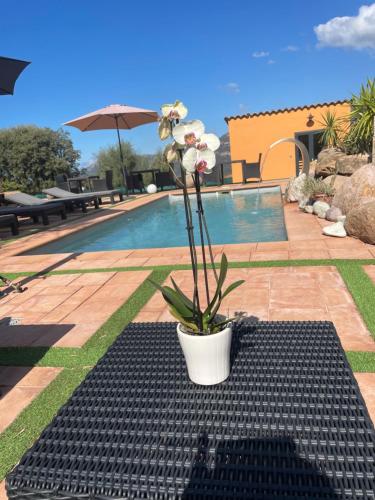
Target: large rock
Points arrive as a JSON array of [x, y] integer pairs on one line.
[[320, 209], [333, 213], [336, 181], [360, 222], [336, 230], [326, 164], [348, 164], [293, 191], [358, 189]]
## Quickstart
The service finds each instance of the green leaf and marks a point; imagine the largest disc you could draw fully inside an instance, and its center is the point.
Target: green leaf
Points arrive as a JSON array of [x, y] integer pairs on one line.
[[232, 287], [220, 281], [182, 320], [184, 298], [173, 299]]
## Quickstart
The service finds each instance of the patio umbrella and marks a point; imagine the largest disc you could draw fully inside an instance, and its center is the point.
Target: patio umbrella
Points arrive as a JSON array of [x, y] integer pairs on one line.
[[115, 116], [10, 69]]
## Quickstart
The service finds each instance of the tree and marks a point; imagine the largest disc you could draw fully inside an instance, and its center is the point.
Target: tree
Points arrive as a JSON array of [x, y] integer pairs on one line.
[[333, 130], [359, 139], [31, 157], [109, 159]]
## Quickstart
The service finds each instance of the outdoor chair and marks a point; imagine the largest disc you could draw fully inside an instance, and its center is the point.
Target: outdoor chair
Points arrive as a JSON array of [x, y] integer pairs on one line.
[[251, 170], [62, 194], [36, 211], [164, 179], [10, 221], [99, 187], [135, 181], [109, 179], [27, 200]]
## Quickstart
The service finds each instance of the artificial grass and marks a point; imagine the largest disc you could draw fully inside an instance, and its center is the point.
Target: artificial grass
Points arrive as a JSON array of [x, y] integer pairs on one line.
[[362, 290], [361, 361], [23, 432]]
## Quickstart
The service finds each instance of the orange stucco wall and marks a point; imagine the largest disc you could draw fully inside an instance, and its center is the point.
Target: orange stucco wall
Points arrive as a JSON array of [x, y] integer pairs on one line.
[[250, 136]]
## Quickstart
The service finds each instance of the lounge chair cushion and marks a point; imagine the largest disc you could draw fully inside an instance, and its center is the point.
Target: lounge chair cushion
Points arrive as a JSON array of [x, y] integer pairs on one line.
[[61, 193]]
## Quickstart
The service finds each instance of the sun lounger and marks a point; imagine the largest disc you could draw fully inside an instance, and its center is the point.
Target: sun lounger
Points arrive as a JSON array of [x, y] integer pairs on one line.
[[27, 200], [36, 211], [9, 221], [62, 193]]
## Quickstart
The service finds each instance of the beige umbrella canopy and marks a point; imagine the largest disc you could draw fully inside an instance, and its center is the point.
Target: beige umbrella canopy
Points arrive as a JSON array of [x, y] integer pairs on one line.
[[115, 116]]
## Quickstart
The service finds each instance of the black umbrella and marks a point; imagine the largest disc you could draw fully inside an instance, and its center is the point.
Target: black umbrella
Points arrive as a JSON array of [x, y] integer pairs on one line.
[[10, 70]]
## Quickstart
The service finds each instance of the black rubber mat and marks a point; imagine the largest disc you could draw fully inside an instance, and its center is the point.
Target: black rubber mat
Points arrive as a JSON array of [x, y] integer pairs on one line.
[[289, 422]]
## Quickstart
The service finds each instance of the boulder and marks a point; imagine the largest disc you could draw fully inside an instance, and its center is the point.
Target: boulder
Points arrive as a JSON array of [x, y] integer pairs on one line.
[[320, 209], [333, 213], [348, 164], [336, 230], [293, 191], [360, 222], [312, 168], [358, 189], [308, 209], [326, 163], [336, 181]]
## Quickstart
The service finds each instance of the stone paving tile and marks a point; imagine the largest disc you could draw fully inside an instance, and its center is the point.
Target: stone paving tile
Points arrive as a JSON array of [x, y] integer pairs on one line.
[[290, 293], [67, 315], [366, 382], [18, 387]]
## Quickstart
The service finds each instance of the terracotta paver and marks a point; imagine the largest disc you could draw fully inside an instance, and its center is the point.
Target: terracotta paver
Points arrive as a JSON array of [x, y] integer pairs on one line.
[[18, 387], [64, 310], [370, 270], [366, 382], [289, 293]]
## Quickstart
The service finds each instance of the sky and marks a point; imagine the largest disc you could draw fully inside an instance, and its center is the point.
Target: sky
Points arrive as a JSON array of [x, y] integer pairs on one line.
[[219, 57]]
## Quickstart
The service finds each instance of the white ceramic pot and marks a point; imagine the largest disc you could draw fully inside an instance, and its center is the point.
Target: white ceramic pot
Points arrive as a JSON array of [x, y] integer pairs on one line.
[[207, 356]]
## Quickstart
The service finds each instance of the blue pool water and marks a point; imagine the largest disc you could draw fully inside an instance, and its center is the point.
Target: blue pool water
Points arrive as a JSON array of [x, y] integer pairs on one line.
[[232, 217]]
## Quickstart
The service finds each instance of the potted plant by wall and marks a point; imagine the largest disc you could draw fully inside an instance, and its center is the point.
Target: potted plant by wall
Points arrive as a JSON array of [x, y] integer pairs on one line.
[[317, 190], [204, 335]]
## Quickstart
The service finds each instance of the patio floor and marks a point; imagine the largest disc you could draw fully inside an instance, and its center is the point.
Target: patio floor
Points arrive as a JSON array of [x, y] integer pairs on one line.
[[277, 294], [65, 310]]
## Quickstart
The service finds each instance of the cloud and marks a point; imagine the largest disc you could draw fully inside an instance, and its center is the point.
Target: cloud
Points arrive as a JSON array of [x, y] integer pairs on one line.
[[259, 54], [357, 32], [271, 61], [232, 87], [290, 48]]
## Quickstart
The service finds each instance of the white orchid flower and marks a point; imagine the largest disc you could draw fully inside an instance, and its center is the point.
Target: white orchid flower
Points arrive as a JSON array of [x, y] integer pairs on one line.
[[201, 161], [188, 133], [176, 111], [164, 129], [170, 153], [208, 141]]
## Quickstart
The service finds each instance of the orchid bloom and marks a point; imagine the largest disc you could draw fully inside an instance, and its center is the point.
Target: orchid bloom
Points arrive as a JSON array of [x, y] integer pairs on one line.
[[188, 133], [201, 161], [176, 111]]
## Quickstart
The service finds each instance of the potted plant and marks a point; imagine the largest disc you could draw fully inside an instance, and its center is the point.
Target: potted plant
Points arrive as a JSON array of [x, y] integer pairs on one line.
[[317, 190], [204, 335]]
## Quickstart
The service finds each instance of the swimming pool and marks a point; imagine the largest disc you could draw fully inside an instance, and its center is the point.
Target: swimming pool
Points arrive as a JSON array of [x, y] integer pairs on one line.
[[232, 217]]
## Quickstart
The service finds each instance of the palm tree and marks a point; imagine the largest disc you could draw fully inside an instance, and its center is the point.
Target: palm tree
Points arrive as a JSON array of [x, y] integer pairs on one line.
[[362, 117], [333, 131]]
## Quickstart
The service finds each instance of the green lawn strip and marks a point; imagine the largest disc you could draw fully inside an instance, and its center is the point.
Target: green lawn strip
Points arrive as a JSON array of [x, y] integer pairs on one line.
[[23, 432], [183, 267], [41, 356], [361, 361], [96, 345], [362, 290]]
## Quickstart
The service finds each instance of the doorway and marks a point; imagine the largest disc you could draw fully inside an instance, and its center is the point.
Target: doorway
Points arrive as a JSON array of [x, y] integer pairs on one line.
[[312, 141]]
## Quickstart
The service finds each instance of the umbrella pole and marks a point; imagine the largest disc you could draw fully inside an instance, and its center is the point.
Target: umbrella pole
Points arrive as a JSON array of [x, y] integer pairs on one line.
[[122, 158]]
